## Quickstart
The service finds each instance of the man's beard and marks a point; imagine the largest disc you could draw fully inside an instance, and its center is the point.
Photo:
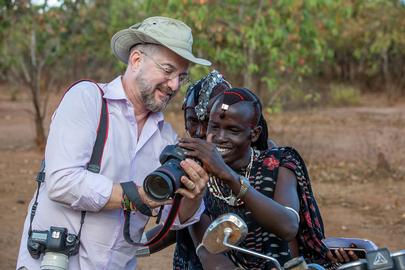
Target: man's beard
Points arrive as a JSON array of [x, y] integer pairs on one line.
[[147, 93]]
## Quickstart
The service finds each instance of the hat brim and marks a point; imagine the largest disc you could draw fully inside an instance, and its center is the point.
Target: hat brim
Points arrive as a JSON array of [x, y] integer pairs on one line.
[[124, 40]]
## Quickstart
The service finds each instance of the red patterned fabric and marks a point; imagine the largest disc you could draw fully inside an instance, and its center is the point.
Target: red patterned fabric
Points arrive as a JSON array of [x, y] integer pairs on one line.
[[311, 231], [263, 178]]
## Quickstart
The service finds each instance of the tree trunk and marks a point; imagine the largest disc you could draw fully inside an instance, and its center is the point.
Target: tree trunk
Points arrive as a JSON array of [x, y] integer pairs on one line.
[[388, 82], [247, 76], [35, 87], [250, 53], [40, 138]]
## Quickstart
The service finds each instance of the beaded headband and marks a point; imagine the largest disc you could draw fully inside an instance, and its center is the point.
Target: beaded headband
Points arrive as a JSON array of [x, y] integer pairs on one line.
[[236, 95], [207, 85]]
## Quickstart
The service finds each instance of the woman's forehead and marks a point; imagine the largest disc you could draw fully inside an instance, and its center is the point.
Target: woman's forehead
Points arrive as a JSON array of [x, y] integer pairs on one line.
[[240, 105], [241, 110]]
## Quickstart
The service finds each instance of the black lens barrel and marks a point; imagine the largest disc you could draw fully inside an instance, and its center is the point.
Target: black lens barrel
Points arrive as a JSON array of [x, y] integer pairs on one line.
[[158, 186]]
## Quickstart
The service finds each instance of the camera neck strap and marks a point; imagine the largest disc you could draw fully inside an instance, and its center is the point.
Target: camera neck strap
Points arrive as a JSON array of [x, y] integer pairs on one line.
[[40, 179], [166, 226], [95, 160]]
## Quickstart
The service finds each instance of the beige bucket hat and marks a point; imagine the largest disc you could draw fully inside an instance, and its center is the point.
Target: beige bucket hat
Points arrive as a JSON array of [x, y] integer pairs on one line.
[[173, 34]]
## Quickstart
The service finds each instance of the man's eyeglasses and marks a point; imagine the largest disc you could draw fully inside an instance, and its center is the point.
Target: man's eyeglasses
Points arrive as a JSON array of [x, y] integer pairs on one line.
[[169, 72]]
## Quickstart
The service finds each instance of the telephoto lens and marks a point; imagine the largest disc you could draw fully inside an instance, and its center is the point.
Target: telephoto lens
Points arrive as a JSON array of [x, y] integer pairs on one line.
[[54, 261], [161, 184], [356, 265], [399, 259]]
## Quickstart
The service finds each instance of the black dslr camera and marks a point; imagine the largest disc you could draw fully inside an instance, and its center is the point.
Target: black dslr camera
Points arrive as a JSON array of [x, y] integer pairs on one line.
[[56, 240], [161, 184]]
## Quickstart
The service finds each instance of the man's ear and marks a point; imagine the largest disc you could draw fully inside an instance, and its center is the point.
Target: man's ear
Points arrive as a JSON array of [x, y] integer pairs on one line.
[[134, 59], [255, 133]]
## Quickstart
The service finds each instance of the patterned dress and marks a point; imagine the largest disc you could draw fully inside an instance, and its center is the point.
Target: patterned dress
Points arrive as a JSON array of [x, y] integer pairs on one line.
[[263, 178]]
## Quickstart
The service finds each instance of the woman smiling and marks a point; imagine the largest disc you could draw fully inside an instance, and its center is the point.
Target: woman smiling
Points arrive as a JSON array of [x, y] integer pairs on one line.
[[258, 184]]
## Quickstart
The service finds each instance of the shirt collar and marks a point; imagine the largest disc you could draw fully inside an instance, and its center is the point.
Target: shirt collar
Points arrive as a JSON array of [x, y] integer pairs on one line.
[[158, 118], [115, 90]]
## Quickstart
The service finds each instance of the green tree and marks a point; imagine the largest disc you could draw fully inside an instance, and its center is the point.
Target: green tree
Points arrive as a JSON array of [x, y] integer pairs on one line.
[[371, 45], [262, 45], [32, 53]]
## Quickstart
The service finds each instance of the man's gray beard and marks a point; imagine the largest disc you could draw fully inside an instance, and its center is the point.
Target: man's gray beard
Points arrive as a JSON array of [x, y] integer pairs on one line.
[[148, 97]]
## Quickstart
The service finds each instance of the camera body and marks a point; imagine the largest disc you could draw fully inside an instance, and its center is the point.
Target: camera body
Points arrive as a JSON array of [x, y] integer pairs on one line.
[[56, 240], [161, 184]]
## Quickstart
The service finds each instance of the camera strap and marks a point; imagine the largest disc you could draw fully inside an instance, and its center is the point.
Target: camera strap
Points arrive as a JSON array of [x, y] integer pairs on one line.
[[95, 160], [40, 179], [131, 190], [163, 231]]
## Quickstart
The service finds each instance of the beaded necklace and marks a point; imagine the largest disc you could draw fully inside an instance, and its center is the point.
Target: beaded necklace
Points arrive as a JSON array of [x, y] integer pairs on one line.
[[216, 186]]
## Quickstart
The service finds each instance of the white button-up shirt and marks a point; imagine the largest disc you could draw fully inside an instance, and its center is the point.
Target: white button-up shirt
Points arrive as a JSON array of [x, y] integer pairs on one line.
[[69, 188]]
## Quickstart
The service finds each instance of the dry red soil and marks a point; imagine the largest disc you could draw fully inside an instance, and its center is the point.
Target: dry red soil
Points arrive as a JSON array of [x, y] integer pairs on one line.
[[355, 156]]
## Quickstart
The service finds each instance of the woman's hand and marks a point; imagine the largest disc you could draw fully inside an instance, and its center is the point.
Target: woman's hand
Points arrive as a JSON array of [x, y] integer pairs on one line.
[[207, 153], [342, 256]]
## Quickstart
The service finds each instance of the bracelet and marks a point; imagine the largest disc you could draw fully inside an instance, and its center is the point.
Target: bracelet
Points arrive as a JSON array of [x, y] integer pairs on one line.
[[198, 248], [131, 191], [126, 204], [244, 187], [295, 212]]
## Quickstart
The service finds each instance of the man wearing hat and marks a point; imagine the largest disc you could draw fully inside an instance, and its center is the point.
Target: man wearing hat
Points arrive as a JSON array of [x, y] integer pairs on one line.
[[157, 53]]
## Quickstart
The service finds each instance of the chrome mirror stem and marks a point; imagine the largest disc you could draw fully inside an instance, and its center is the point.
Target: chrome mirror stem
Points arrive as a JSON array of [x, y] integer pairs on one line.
[[227, 233]]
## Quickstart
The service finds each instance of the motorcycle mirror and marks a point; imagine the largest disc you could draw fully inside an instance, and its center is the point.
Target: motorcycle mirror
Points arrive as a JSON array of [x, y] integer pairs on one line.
[[227, 232], [228, 224]]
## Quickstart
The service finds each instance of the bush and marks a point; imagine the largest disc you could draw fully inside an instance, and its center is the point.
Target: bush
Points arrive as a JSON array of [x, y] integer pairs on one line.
[[344, 95], [300, 96]]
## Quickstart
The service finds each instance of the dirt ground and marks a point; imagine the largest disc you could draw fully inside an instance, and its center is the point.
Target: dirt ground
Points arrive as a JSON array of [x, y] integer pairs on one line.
[[355, 158]]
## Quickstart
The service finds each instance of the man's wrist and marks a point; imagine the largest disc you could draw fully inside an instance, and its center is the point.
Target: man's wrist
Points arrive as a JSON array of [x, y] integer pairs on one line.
[[115, 200], [131, 192], [126, 204]]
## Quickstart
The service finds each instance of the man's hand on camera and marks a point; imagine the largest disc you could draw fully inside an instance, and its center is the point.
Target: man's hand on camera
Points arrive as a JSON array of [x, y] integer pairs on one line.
[[149, 202], [194, 182], [193, 189]]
